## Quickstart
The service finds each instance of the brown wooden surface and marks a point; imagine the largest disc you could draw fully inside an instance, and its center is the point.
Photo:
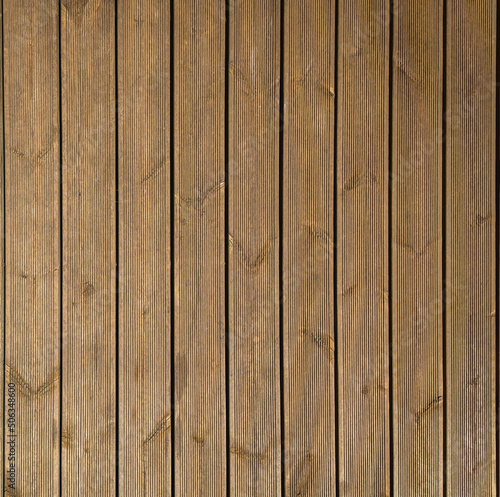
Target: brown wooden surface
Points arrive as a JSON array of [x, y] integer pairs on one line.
[[417, 243], [265, 262], [199, 333], [32, 332], [144, 251], [308, 248], [89, 250], [3, 408], [363, 283], [253, 231], [470, 248]]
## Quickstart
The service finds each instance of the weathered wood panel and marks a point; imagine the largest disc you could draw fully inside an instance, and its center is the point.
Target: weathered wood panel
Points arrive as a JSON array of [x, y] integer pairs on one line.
[[32, 333], [89, 247], [2, 251], [363, 272], [279, 275], [470, 248], [417, 272], [144, 247], [254, 355], [308, 248], [199, 334]]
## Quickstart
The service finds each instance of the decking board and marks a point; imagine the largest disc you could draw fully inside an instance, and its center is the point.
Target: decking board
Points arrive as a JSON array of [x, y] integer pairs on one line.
[[309, 293], [88, 102], [417, 248], [32, 243], [144, 326], [470, 292], [363, 238], [199, 332], [253, 232], [250, 247]]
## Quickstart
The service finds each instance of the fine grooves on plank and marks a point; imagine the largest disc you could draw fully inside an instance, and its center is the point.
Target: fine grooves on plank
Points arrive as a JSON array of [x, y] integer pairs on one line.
[[118, 248], [2, 246], [363, 247], [172, 246], [389, 255], [254, 248], [471, 251], [308, 251], [89, 258], [280, 254], [200, 448], [444, 135], [335, 250], [32, 242], [144, 245], [300, 366], [226, 244], [416, 249], [61, 245], [497, 251]]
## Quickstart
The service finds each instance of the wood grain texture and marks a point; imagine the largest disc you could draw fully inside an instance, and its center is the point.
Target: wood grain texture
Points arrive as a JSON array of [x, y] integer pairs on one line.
[[144, 247], [2, 248], [89, 248], [32, 333], [254, 390], [470, 248], [374, 220], [199, 334], [417, 272], [308, 248], [363, 277]]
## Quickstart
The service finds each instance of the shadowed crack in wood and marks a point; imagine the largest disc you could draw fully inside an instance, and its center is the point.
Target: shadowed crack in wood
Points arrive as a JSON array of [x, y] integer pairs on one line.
[[254, 264], [431, 405], [199, 200], [28, 390], [162, 426], [154, 172]]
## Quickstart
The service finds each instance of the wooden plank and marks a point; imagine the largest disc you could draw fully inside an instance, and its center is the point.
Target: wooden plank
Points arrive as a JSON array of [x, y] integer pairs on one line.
[[470, 248], [2, 250], [363, 280], [89, 250], [200, 407], [32, 333], [308, 248], [253, 181], [144, 247], [417, 269]]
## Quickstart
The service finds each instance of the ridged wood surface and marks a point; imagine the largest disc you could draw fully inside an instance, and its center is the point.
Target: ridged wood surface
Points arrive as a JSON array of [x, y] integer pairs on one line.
[[363, 238], [309, 324], [89, 248], [144, 163], [249, 247], [417, 248], [199, 333], [470, 249], [32, 218], [253, 238]]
